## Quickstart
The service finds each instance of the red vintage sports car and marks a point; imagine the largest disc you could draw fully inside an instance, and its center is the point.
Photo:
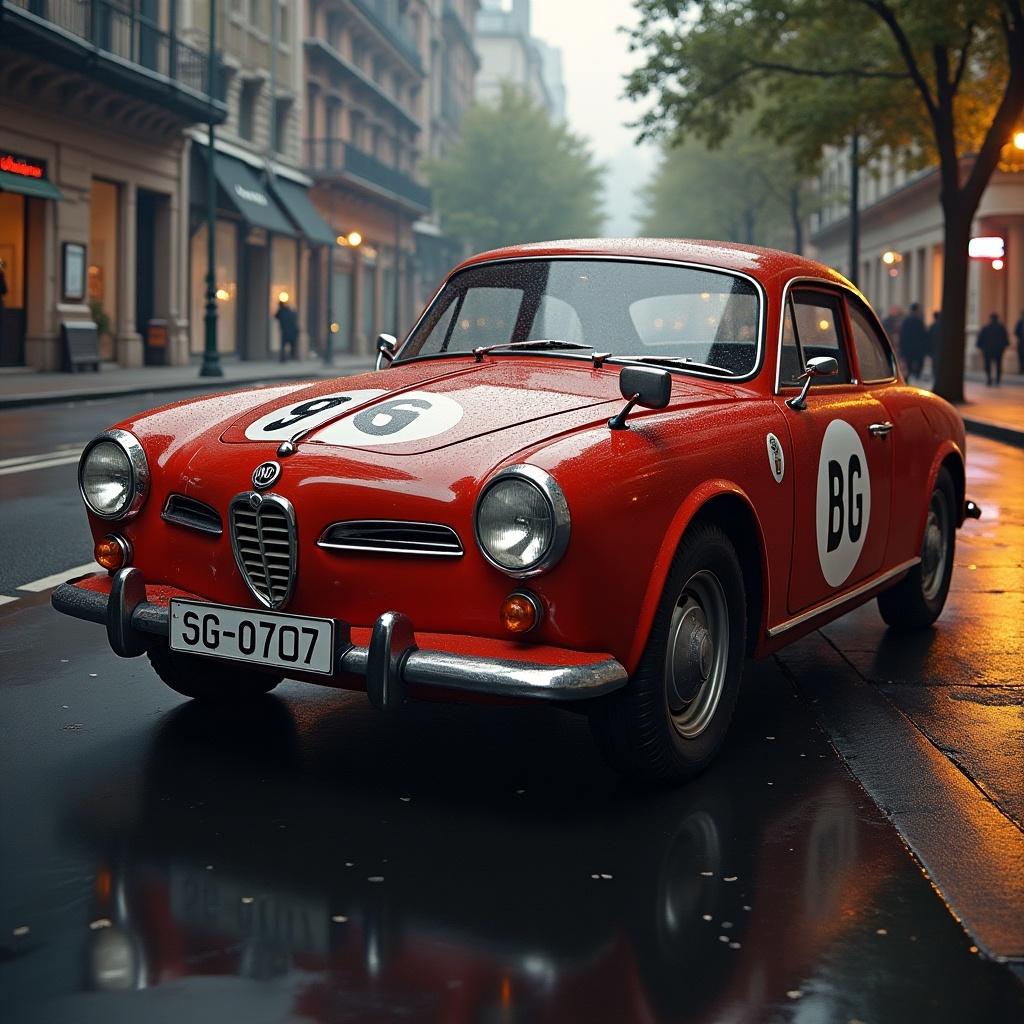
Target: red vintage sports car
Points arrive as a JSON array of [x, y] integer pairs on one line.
[[597, 473]]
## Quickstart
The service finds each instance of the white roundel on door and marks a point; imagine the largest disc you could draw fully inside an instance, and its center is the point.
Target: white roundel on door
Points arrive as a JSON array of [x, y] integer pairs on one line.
[[410, 417], [843, 505], [292, 417]]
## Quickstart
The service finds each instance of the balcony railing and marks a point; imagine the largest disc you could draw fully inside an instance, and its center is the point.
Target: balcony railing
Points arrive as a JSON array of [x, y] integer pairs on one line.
[[334, 158], [381, 14], [119, 31]]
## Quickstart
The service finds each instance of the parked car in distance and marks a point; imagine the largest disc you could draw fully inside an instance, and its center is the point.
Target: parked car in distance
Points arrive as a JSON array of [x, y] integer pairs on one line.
[[597, 473]]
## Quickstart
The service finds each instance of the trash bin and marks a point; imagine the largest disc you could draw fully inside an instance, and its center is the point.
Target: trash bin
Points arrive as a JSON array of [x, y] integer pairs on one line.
[[156, 343]]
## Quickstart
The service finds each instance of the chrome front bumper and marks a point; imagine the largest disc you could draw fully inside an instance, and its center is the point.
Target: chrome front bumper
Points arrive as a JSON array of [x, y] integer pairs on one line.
[[390, 662]]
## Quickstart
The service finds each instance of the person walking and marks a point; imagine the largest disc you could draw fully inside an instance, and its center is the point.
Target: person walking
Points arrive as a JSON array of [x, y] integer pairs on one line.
[[913, 341], [289, 322], [1018, 332], [993, 342], [934, 339]]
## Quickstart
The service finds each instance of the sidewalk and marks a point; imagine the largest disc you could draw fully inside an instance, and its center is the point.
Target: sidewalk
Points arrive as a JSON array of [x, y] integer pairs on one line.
[[24, 388], [997, 413]]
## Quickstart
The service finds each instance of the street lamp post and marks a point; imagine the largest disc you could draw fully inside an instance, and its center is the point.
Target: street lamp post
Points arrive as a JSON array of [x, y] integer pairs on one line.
[[211, 358], [854, 207]]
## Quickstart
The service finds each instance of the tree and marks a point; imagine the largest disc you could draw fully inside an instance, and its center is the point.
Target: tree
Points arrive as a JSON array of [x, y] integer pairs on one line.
[[941, 82], [516, 176], [746, 190]]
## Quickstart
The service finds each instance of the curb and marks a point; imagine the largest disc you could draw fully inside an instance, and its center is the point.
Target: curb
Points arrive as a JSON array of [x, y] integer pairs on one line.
[[220, 383], [994, 431]]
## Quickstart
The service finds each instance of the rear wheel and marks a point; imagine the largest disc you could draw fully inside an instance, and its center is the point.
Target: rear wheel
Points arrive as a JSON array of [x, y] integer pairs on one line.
[[917, 600], [207, 679], [669, 720]]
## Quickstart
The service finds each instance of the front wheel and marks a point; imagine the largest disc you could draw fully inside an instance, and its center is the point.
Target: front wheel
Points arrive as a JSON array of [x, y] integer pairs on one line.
[[208, 679], [668, 722], [917, 600]]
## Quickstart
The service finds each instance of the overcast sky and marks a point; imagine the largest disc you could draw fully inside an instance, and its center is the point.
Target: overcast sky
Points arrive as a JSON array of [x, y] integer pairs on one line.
[[595, 57]]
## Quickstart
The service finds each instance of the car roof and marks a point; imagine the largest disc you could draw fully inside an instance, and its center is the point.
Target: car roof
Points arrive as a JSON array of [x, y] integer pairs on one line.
[[763, 264]]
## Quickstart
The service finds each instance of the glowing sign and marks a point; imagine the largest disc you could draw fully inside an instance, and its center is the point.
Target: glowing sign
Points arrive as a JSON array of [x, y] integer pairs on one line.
[[986, 247], [22, 166]]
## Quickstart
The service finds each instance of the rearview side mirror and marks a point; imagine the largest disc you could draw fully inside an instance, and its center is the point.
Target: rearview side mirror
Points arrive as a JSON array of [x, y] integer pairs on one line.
[[646, 386], [819, 366], [386, 346]]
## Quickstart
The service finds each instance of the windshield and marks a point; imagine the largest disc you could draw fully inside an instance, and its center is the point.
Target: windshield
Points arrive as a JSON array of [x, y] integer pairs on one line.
[[627, 309]]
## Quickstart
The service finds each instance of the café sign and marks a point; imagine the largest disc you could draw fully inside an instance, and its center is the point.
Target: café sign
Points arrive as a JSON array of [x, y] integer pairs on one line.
[[24, 167]]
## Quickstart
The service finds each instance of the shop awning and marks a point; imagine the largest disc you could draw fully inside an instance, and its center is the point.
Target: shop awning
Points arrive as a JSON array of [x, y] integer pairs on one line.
[[295, 199], [248, 194], [40, 188]]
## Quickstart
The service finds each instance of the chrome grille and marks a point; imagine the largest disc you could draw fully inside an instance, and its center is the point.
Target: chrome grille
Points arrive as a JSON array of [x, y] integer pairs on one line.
[[196, 515], [392, 537], [263, 537]]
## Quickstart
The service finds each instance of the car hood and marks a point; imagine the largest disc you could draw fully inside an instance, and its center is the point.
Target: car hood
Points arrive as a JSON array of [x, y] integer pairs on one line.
[[419, 408]]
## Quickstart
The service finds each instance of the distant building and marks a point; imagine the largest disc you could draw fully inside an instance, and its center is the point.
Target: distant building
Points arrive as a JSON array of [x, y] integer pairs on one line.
[[94, 100], [901, 238], [267, 232], [509, 54]]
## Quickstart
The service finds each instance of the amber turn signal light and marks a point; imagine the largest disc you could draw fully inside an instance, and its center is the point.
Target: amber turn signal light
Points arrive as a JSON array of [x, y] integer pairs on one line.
[[112, 552], [520, 612]]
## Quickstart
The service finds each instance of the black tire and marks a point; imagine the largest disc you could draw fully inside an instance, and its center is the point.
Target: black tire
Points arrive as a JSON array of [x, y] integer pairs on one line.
[[207, 679], [917, 600], [649, 730]]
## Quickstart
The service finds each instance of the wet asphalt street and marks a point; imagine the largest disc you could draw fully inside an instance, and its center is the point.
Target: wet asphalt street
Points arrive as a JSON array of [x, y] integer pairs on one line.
[[310, 859]]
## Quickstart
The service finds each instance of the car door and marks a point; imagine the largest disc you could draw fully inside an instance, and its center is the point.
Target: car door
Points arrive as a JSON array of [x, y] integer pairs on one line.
[[842, 454]]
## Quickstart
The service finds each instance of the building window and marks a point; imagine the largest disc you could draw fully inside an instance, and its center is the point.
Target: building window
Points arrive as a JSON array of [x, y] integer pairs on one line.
[[283, 24], [248, 97], [282, 123], [256, 14]]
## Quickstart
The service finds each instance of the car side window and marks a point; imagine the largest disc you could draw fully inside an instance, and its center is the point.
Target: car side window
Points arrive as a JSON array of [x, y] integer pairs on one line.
[[791, 363], [873, 355], [819, 330]]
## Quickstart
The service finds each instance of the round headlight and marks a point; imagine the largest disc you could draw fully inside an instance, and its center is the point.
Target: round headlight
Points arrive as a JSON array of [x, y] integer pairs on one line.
[[113, 475], [522, 521]]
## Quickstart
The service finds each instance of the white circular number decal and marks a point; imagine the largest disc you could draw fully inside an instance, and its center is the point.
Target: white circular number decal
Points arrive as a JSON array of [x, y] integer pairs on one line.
[[409, 417], [843, 507], [286, 422]]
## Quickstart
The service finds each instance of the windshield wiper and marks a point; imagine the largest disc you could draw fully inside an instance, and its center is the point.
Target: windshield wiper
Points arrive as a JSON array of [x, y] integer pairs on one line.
[[483, 350], [680, 361]]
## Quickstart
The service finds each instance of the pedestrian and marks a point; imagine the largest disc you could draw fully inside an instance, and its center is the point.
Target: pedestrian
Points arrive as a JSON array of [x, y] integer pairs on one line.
[[913, 341], [1018, 332], [934, 338], [289, 322], [993, 342], [891, 325]]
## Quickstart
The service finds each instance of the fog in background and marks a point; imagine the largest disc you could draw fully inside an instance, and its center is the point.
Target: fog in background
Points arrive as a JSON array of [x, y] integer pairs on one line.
[[595, 57]]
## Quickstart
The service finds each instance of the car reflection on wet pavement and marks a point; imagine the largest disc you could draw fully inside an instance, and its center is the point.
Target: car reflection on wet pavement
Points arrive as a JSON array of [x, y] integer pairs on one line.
[[309, 859]]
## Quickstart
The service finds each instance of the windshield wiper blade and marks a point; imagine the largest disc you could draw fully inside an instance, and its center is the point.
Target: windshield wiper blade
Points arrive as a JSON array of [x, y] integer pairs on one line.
[[483, 350], [680, 361]]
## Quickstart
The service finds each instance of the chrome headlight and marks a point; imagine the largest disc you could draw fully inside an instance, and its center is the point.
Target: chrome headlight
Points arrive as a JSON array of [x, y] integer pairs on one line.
[[113, 475], [522, 521]]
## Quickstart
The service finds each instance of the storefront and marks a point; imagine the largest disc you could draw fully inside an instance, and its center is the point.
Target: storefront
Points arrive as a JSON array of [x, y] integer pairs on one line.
[[257, 247], [90, 228], [24, 189]]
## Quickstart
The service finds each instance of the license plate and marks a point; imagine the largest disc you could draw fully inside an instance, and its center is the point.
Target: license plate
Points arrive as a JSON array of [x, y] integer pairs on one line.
[[296, 642]]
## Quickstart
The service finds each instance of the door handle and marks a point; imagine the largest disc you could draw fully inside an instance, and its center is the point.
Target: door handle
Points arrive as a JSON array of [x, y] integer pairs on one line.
[[880, 429]]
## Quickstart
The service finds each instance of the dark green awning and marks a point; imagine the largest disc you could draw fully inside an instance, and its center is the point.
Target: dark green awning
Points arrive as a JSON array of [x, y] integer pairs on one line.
[[247, 193], [295, 199], [38, 187]]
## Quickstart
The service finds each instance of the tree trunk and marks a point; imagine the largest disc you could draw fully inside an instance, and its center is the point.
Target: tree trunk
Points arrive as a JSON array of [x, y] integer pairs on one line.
[[949, 359], [749, 225], [798, 226]]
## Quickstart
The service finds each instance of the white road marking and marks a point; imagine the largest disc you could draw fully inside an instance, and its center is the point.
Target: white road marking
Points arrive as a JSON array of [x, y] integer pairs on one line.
[[49, 582], [4, 599], [40, 463], [61, 452]]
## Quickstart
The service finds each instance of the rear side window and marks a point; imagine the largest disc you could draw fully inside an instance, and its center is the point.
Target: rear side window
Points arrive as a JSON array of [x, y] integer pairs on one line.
[[818, 318], [873, 355]]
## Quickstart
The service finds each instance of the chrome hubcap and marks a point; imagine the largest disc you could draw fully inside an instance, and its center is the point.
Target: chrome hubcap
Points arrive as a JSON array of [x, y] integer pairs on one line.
[[697, 654], [935, 549]]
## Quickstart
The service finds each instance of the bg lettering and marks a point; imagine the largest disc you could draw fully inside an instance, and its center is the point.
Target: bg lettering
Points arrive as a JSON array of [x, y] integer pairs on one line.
[[845, 502]]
